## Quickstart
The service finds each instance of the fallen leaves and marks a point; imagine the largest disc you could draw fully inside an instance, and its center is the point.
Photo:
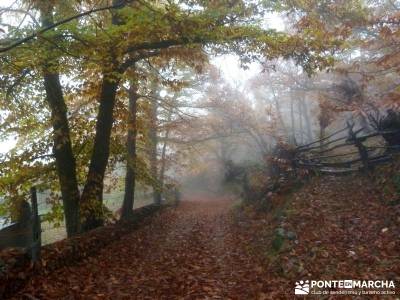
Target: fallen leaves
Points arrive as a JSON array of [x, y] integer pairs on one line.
[[332, 228], [191, 252]]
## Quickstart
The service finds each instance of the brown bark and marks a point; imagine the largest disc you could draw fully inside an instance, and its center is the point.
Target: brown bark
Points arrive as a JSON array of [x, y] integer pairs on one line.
[[92, 195], [62, 148], [129, 197], [65, 160], [164, 154], [153, 139]]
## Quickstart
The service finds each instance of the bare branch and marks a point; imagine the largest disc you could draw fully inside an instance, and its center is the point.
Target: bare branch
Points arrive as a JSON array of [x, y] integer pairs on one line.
[[22, 11]]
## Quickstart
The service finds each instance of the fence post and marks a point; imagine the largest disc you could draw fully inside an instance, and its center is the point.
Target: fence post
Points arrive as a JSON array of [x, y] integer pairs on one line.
[[362, 150], [36, 230]]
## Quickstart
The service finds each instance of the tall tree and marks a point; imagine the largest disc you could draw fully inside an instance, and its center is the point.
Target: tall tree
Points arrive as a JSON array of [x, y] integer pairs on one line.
[[153, 144], [163, 157], [62, 147], [130, 177], [105, 47]]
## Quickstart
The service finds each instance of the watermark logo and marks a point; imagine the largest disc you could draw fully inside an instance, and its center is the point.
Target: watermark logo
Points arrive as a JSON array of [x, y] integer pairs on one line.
[[345, 287], [302, 287]]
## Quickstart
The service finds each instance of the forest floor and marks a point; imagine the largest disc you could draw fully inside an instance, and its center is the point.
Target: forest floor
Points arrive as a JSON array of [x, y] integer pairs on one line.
[[188, 252], [209, 248]]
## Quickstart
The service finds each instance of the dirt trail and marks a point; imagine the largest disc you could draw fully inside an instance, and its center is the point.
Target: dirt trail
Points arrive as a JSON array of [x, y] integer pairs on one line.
[[188, 252]]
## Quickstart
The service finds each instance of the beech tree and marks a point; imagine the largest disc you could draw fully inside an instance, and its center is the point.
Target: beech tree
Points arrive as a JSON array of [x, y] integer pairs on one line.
[[82, 57], [130, 177]]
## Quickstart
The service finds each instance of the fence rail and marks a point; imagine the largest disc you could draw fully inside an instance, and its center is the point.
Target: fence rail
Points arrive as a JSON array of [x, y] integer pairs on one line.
[[347, 153]]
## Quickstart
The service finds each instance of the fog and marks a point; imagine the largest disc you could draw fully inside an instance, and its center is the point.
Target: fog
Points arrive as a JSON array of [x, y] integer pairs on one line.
[[246, 112], [196, 117]]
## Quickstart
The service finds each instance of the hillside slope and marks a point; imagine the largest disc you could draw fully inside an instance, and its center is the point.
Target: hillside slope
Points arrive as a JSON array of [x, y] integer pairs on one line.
[[331, 228]]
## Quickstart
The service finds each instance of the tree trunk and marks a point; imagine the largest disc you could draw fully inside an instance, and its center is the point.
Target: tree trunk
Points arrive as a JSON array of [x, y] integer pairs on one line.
[[62, 148], [163, 155], [293, 130], [153, 139], [163, 162], [300, 114], [307, 119], [65, 160], [92, 195], [279, 113], [92, 214], [129, 197]]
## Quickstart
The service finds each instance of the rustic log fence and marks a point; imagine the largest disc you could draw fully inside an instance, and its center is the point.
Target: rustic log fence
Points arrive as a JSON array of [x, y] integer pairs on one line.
[[346, 150], [26, 232]]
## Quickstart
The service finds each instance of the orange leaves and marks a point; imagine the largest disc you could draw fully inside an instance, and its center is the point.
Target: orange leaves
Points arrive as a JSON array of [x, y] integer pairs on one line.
[[385, 32], [200, 250], [193, 252]]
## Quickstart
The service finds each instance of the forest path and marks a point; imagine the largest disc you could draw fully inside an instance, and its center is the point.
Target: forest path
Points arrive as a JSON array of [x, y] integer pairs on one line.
[[188, 252]]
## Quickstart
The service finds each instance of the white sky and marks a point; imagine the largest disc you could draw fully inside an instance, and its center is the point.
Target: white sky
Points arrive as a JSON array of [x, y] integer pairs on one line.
[[229, 64], [231, 70]]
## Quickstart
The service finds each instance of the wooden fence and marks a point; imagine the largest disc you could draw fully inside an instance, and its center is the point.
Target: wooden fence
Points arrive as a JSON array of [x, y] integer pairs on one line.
[[347, 150], [26, 232]]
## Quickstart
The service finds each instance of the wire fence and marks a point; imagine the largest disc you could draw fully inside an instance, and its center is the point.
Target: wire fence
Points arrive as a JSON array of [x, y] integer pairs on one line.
[[54, 230], [25, 233], [42, 219]]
